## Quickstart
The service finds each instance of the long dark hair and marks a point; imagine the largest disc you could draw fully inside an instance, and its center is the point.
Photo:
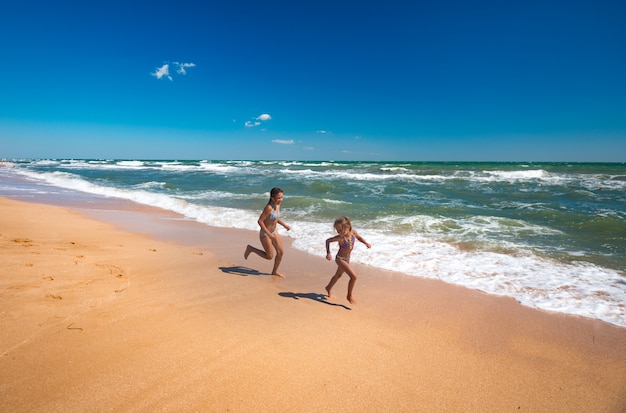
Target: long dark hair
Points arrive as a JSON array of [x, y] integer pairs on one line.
[[275, 191]]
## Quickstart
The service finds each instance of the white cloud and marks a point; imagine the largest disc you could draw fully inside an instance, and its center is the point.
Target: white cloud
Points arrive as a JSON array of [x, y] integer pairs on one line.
[[283, 141], [257, 121], [182, 66], [322, 131], [163, 71]]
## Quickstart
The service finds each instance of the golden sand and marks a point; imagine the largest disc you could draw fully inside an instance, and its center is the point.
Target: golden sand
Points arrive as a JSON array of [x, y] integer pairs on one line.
[[96, 319]]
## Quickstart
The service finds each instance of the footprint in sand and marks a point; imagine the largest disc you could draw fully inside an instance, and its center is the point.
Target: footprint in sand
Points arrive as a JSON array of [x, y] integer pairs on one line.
[[24, 241], [112, 270]]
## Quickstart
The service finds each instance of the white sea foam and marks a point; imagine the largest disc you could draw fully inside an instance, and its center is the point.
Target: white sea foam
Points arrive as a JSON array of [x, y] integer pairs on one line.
[[534, 281], [130, 164], [219, 167], [150, 185], [46, 162], [353, 176], [517, 175], [334, 201], [220, 217], [394, 169], [176, 166]]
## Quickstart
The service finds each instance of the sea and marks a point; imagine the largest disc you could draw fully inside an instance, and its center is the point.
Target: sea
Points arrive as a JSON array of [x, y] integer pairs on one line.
[[550, 235]]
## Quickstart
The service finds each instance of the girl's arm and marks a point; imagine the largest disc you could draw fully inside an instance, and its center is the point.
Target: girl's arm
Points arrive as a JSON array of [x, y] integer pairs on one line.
[[328, 241], [264, 214], [280, 221], [360, 238]]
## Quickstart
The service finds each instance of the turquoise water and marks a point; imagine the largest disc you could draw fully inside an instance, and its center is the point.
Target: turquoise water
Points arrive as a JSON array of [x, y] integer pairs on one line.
[[552, 235]]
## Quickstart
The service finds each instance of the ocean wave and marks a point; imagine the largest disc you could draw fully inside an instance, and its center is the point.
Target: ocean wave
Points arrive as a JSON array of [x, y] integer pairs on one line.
[[219, 167], [361, 172], [131, 164], [215, 216], [150, 185], [532, 174]]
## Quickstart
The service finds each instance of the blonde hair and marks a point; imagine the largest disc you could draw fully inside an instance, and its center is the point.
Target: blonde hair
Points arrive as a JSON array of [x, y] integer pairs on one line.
[[344, 226]]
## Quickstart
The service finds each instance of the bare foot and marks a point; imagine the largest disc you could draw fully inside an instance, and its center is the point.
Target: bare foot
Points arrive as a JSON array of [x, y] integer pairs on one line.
[[328, 293], [352, 300], [277, 274], [245, 254]]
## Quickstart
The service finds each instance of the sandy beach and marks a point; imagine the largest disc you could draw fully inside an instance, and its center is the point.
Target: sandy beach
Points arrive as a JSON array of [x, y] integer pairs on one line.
[[138, 311]]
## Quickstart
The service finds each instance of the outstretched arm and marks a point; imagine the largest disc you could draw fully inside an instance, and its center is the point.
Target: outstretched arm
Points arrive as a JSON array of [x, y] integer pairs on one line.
[[361, 239], [287, 227]]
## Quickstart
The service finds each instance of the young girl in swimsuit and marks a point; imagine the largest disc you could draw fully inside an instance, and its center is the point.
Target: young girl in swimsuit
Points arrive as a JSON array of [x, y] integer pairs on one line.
[[346, 238], [270, 239]]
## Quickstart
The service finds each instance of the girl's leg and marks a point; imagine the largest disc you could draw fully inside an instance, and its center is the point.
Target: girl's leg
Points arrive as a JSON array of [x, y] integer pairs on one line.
[[350, 288], [278, 245], [267, 253], [333, 281], [352, 274]]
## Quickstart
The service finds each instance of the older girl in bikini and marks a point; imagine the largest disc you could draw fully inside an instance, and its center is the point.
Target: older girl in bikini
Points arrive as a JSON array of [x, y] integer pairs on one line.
[[270, 239], [346, 238]]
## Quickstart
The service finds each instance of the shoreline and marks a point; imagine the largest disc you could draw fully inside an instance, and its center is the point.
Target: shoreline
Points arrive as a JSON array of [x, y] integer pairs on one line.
[[170, 226], [570, 281], [158, 314]]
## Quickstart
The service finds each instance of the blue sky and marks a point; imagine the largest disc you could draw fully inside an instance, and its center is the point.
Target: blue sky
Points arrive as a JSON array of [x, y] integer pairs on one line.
[[325, 80]]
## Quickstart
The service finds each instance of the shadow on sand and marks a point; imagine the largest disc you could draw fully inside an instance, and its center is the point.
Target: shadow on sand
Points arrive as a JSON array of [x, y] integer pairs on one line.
[[243, 271], [320, 298]]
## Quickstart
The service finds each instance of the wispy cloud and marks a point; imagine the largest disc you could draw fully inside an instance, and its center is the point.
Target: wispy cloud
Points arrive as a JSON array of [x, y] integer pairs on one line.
[[257, 120], [284, 141], [164, 71], [182, 66]]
